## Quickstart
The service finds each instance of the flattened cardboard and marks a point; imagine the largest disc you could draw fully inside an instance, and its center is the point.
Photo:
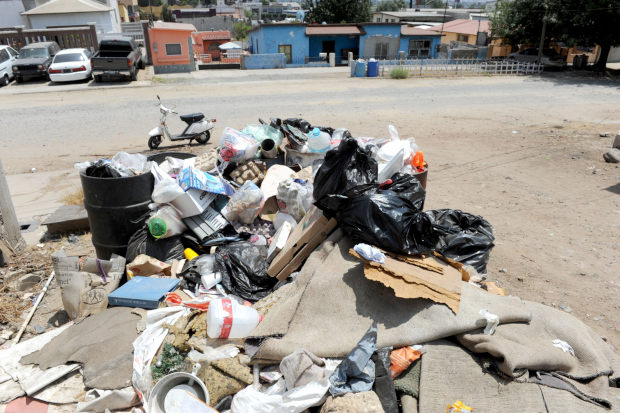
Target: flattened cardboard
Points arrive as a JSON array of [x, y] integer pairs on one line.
[[413, 281], [306, 236]]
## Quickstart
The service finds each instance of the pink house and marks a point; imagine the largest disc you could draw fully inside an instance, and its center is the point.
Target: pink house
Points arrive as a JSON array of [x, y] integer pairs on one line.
[[171, 47]]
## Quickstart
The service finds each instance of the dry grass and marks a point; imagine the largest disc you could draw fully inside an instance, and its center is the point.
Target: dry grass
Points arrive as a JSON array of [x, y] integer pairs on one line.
[[11, 307], [74, 198]]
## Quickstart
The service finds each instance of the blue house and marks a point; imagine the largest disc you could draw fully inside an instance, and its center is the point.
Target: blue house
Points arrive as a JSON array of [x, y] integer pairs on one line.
[[303, 43]]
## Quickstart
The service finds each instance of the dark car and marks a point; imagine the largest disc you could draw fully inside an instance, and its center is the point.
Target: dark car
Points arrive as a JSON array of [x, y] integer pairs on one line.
[[33, 60]]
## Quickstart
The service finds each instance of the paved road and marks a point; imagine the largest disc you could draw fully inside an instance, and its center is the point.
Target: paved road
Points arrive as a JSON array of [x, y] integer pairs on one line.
[[51, 130]]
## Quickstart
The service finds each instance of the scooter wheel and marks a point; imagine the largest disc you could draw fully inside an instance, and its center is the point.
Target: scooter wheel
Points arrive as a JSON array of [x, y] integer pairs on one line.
[[203, 138], [154, 142]]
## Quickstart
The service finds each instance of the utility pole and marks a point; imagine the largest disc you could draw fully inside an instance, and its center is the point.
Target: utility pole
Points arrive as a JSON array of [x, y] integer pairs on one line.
[[542, 36]]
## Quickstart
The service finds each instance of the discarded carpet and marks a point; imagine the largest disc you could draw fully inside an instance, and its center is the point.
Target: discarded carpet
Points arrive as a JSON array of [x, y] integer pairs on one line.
[[520, 347], [102, 343], [331, 305], [450, 373]]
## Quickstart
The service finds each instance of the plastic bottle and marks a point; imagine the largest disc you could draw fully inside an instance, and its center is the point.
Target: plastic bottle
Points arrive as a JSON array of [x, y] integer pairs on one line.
[[228, 319], [165, 222], [318, 142], [337, 137]]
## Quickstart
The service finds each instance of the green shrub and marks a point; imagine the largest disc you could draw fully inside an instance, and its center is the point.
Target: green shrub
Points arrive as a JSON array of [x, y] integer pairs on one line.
[[399, 73]]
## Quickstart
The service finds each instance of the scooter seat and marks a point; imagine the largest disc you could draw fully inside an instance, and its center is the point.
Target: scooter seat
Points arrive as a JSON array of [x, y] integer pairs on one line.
[[192, 117]]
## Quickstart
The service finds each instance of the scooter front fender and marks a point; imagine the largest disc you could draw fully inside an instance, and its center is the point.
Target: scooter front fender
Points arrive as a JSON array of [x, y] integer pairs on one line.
[[157, 131]]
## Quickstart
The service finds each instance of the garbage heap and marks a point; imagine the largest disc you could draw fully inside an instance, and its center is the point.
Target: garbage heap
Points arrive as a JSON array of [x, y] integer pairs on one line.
[[294, 269]]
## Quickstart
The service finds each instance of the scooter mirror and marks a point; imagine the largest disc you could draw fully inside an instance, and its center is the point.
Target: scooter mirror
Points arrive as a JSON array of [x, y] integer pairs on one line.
[[158, 98]]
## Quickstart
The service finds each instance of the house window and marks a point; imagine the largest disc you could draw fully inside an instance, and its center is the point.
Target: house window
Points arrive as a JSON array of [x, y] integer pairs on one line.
[[381, 50], [173, 49], [462, 38], [378, 19], [419, 48], [286, 49]]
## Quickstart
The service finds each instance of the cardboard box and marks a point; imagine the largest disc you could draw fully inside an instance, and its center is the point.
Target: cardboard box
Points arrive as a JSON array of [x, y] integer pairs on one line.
[[307, 235], [200, 191], [206, 224], [193, 202], [426, 276]]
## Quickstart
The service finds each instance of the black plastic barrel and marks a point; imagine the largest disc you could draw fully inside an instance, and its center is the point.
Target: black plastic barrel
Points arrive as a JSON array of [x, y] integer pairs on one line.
[[160, 157], [116, 208]]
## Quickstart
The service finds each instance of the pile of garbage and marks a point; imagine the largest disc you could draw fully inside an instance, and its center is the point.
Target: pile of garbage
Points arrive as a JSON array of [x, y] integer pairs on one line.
[[295, 269]]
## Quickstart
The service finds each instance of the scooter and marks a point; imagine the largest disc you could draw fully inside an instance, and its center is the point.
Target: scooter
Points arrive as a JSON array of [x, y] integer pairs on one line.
[[198, 128]]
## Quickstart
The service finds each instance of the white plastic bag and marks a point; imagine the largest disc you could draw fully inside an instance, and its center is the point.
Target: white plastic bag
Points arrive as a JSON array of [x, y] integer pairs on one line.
[[294, 198], [236, 146], [166, 188], [250, 400], [147, 344], [130, 164], [245, 204]]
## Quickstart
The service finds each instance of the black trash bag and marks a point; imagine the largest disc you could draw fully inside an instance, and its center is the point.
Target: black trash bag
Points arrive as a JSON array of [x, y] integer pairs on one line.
[[345, 167], [384, 385], [408, 187], [301, 124], [464, 237], [165, 249], [383, 218], [243, 266], [101, 169]]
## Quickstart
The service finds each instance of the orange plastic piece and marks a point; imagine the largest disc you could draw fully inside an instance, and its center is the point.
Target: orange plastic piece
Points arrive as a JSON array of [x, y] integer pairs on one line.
[[401, 359]]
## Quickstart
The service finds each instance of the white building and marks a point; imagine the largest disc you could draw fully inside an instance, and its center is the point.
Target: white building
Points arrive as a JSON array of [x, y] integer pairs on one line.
[[76, 12], [10, 13]]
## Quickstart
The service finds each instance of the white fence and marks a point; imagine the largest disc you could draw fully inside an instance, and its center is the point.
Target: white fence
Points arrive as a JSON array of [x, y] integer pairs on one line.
[[458, 67]]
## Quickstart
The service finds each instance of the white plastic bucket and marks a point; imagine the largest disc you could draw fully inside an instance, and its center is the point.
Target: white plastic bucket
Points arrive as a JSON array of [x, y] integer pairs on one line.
[[228, 319]]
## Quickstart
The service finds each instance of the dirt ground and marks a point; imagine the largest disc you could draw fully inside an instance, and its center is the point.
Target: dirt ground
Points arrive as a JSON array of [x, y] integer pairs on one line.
[[525, 153]]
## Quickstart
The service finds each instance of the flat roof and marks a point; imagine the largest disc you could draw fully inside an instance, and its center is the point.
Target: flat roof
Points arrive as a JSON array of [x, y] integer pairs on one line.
[[416, 31], [332, 30], [174, 26]]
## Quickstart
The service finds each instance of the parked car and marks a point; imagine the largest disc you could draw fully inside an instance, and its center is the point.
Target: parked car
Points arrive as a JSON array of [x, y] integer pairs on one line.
[[117, 56], [8, 55], [550, 58], [71, 64], [34, 59]]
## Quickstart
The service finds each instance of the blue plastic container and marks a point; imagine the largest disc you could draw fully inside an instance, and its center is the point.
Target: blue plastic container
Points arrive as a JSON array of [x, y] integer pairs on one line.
[[360, 69], [373, 69]]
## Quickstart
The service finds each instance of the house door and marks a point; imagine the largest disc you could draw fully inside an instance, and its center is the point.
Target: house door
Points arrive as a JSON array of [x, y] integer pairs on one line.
[[329, 46], [286, 49]]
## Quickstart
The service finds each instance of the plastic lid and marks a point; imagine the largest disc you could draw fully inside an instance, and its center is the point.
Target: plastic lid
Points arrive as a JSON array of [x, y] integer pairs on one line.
[[315, 132], [157, 227]]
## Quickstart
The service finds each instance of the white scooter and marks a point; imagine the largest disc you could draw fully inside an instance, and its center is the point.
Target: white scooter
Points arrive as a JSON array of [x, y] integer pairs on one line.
[[198, 128]]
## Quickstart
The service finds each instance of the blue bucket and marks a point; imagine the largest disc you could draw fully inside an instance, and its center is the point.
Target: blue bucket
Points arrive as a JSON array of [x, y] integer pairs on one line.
[[373, 69], [360, 69]]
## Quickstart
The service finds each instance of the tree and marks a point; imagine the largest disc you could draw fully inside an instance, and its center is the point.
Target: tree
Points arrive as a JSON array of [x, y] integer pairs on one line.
[[338, 11], [240, 30], [265, 2], [391, 5], [166, 13], [583, 22]]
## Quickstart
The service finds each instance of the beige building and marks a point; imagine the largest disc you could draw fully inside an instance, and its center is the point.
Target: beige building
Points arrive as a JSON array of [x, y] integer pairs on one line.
[[461, 30]]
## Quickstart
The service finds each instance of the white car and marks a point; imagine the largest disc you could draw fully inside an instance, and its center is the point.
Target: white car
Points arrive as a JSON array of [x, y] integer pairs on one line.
[[7, 57], [70, 64]]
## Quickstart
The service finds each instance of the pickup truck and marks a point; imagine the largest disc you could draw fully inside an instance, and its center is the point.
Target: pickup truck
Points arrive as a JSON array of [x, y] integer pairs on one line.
[[117, 56]]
